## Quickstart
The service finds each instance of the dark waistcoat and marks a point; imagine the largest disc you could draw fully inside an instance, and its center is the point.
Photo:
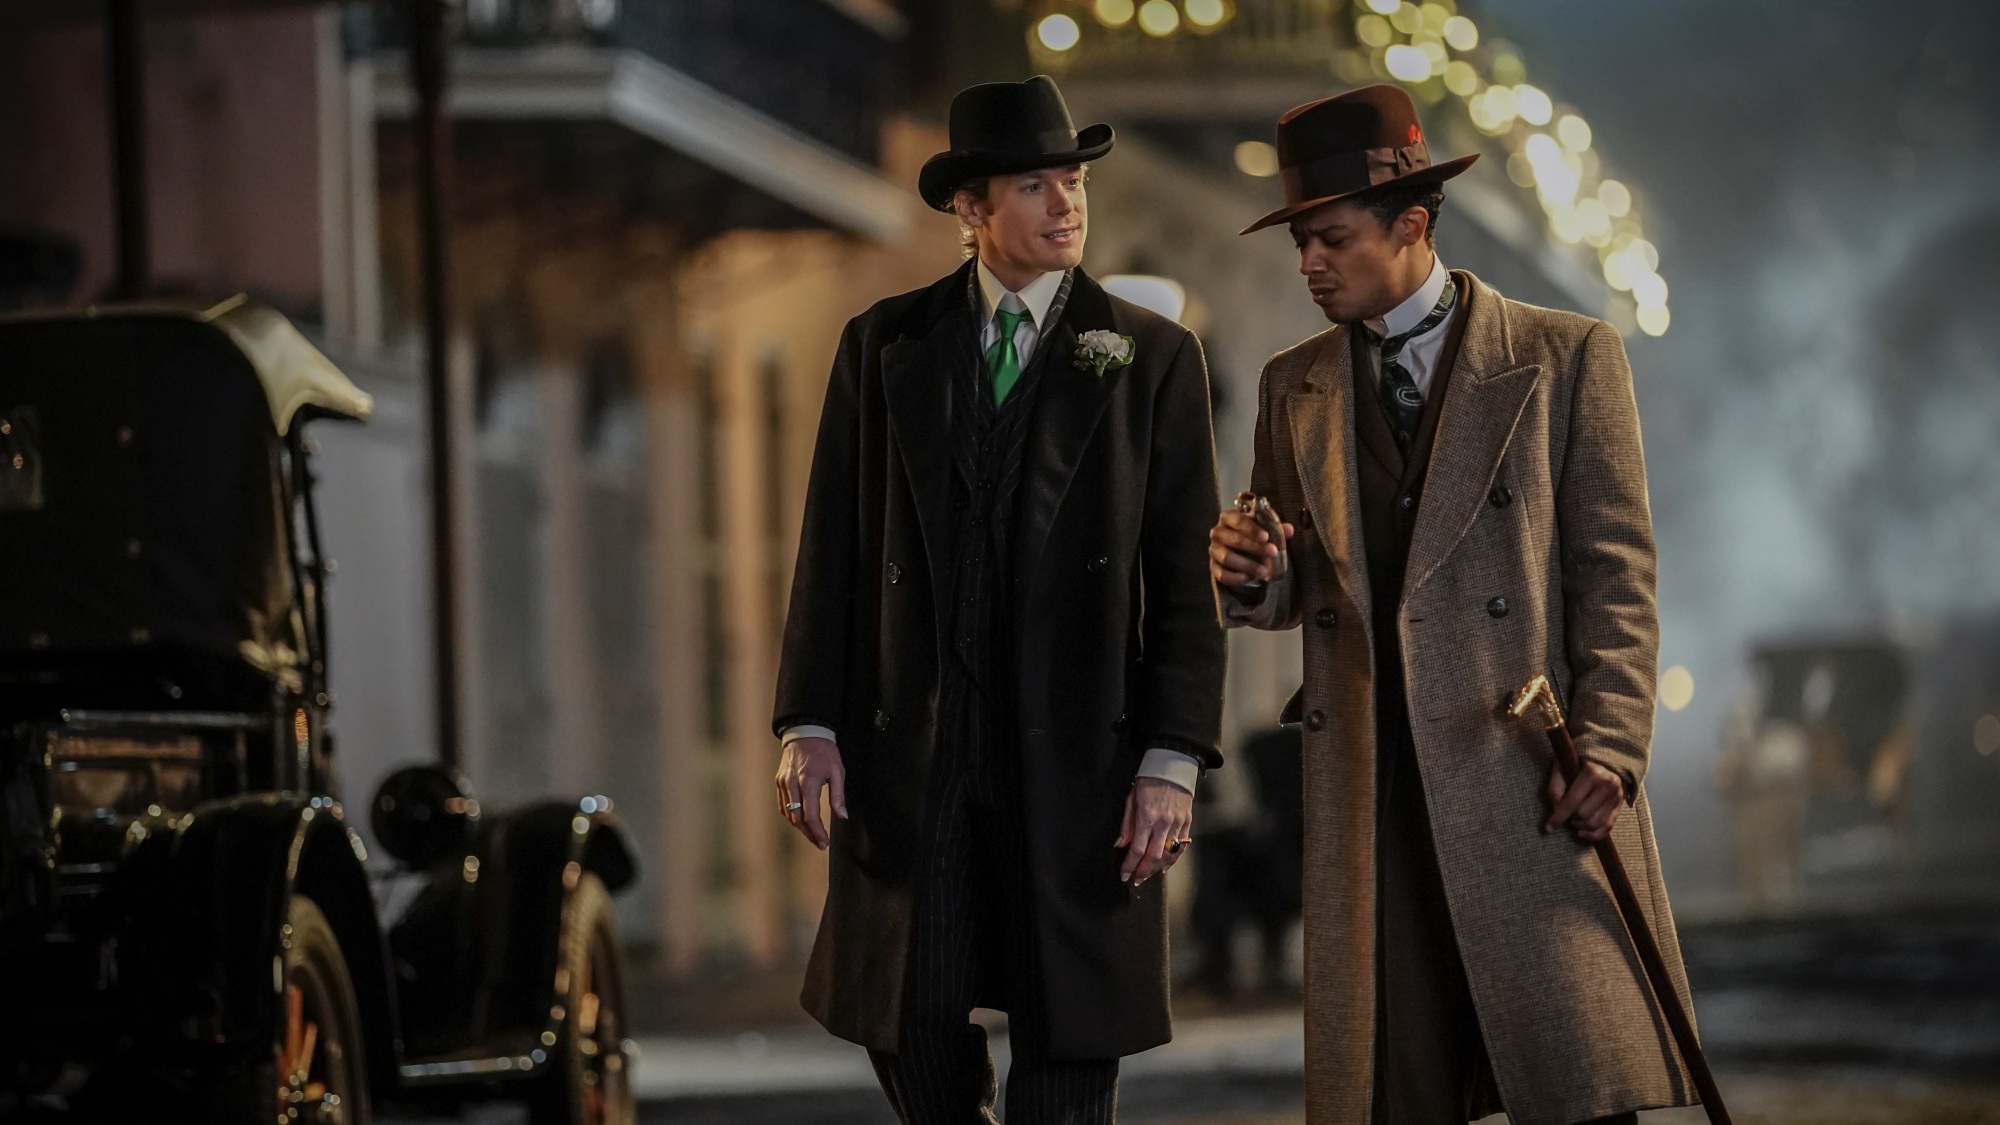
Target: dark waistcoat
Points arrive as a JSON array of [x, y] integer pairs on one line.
[[1391, 487]]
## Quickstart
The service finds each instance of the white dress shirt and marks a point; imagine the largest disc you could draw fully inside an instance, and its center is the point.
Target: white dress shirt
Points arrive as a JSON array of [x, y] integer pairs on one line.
[[1036, 297], [1420, 355]]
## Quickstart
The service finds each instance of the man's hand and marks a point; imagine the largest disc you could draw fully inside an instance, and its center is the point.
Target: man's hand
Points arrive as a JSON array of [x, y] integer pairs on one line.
[[807, 766], [1157, 813], [1239, 551], [1589, 806]]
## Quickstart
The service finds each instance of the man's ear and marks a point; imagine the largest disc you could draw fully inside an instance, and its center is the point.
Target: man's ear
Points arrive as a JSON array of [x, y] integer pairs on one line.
[[1412, 225], [967, 206]]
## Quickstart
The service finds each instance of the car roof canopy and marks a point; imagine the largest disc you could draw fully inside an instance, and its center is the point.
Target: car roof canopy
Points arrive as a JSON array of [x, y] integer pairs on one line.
[[143, 499]]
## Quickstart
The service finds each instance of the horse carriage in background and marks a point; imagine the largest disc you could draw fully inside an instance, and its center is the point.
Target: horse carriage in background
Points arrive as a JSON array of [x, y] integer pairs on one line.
[[191, 927]]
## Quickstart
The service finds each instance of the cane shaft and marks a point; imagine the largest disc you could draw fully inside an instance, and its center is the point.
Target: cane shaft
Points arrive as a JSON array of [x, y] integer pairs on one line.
[[1649, 949]]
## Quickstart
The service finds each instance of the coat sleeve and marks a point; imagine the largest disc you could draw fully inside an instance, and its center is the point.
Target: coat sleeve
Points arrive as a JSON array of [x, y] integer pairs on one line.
[[1609, 566], [812, 664], [1182, 630], [1274, 610]]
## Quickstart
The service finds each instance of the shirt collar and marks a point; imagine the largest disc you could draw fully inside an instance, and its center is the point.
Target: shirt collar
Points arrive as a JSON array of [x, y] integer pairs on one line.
[[1036, 296], [1418, 305]]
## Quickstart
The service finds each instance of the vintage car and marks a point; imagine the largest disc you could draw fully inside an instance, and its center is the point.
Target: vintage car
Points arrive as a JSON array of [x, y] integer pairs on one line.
[[189, 925]]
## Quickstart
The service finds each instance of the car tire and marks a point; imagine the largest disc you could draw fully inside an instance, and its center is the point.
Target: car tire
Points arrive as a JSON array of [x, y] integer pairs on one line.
[[590, 1079], [318, 1064]]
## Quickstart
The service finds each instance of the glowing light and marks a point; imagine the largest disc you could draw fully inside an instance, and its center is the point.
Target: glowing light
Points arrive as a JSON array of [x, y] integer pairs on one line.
[[1058, 33], [1433, 50], [1618, 272], [1114, 13], [1206, 13], [1257, 158], [1461, 33], [1461, 79], [1644, 251], [1986, 735], [1534, 106], [1434, 15], [1407, 63], [1596, 222], [1507, 68], [1676, 683], [1564, 222], [1407, 18], [1384, 7], [1574, 132], [1373, 30], [1650, 290], [1653, 321], [1162, 295], [1617, 198], [1159, 18], [1520, 171], [1541, 149]]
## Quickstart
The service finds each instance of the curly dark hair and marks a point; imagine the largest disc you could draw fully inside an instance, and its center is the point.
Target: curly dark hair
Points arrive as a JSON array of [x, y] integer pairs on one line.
[[1390, 200]]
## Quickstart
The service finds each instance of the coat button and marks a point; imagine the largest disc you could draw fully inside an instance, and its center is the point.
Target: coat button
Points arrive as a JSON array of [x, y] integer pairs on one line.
[[1497, 607], [1409, 502], [881, 720], [1118, 725], [1097, 565], [1326, 619], [1315, 721], [1501, 496], [895, 574]]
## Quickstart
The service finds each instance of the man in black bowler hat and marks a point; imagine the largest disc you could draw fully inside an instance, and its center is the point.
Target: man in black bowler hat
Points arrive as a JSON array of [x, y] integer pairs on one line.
[[1003, 662], [1463, 505]]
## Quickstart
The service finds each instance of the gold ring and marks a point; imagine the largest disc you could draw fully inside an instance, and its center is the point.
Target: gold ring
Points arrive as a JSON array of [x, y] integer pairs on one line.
[[1174, 846]]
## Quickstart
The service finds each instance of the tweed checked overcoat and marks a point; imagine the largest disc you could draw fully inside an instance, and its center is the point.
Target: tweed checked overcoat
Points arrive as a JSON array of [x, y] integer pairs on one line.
[[1539, 411]]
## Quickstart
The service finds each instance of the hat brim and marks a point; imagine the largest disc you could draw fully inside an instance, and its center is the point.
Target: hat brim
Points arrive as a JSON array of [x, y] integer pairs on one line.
[[944, 173], [1435, 174]]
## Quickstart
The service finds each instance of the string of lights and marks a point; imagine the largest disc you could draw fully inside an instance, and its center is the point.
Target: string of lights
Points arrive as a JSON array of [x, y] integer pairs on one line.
[[1441, 55]]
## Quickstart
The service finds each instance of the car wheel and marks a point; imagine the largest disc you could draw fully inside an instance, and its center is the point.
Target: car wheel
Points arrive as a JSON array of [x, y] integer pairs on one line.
[[590, 1082], [316, 1071]]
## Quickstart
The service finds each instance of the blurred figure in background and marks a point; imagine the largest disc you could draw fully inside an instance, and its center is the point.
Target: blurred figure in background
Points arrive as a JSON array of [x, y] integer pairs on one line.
[[1250, 869]]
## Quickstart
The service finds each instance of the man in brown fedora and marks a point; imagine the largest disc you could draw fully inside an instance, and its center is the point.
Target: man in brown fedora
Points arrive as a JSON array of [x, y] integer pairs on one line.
[[1003, 659], [1462, 500]]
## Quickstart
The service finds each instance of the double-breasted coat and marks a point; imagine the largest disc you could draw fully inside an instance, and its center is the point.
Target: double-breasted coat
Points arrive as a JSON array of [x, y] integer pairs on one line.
[[1117, 631], [1532, 551]]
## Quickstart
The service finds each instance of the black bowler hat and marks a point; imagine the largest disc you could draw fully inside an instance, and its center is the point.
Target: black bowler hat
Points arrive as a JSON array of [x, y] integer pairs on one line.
[[1337, 146], [999, 128]]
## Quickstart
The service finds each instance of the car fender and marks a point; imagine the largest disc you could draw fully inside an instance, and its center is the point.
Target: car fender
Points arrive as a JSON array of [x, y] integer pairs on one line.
[[208, 904]]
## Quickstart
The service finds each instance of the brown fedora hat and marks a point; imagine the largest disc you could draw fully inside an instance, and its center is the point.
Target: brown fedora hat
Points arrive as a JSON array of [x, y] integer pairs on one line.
[[1338, 146]]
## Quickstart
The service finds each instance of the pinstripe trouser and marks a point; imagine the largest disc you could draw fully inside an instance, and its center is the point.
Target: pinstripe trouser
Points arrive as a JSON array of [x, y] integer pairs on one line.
[[974, 939]]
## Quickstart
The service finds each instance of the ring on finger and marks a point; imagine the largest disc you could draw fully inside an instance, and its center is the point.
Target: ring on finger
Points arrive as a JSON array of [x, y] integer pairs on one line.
[[795, 806]]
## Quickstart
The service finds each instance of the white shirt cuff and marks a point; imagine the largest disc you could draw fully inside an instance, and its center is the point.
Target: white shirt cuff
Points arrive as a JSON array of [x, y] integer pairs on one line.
[[1172, 766], [804, 730]]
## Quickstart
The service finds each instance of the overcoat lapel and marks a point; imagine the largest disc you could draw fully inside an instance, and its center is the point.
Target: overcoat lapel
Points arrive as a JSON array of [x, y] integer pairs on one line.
[[1488, 391], [1069, 405], [1322, 413], [937, 341]]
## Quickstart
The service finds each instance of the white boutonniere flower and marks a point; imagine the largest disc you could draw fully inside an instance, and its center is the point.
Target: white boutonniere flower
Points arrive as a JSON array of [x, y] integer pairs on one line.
[[1101, 350]]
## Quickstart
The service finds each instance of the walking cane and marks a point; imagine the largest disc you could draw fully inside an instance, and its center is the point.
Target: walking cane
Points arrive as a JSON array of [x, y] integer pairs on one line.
[[1540, 692]]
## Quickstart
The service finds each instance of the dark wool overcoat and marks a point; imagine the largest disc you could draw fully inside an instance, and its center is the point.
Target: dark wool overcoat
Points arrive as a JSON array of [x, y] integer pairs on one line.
[[1118, 639], [1532, 553]]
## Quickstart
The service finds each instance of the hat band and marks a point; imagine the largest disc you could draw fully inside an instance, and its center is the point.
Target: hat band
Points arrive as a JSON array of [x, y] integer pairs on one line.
[[1346, 172]]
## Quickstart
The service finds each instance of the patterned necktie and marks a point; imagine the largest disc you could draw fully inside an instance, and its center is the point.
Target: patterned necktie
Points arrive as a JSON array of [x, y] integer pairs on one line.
[[1401, 400], [1003, 362]]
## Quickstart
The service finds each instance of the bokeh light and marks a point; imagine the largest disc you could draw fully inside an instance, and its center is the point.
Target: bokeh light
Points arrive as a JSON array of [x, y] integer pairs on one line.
[[1653, 321], [1407, 18], [1159, 18], [1384, 7], [1257, 158], [1114, 13], [1373, 30], [1573, 132], [1461, 34], [1617, 198], [1206, 13], [1533, 105], [1407, 63], [1058, 32], [1460, 78], [1676, 684]]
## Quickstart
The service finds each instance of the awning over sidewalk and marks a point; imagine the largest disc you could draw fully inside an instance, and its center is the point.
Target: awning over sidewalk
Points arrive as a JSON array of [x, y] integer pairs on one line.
[[664, 105]]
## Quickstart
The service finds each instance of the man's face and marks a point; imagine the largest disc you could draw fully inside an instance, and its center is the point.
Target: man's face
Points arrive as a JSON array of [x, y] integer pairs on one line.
[[1353, 265], [1029, 223]]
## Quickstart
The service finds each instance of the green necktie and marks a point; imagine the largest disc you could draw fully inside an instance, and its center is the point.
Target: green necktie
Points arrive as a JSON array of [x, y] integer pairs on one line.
[[1003, 362]]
